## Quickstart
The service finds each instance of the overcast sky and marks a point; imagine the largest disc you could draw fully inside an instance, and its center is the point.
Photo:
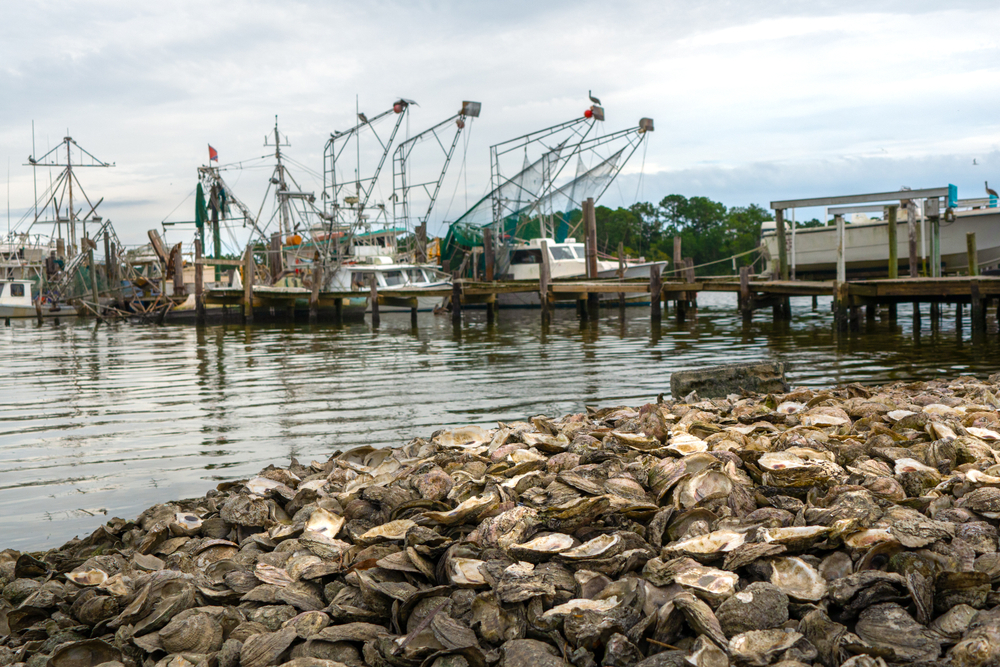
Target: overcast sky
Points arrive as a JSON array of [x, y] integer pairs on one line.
[[752, 101]]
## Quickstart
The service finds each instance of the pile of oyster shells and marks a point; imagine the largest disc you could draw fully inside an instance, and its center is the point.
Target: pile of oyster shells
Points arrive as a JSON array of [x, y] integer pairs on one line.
[[854, 527]]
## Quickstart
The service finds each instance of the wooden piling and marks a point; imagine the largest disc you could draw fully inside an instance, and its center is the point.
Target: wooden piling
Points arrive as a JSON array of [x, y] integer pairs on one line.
[[841, 254], [93, 280], [179, 289], [870, 312], [543, 278], [779, 221], [746, 301], [317, 284], [840, 302], [456, 302], [107, 258], [590, 218], [248, 271], [977, 309], [199, 297], [691, 297], [489, 256], [274, 255], [413, 314], [491, 310], [893, 243], [338, 310], [911, 223], [376, 320], [970, 251], [815, 302], [38, 308], [655, 293], [621, 273]]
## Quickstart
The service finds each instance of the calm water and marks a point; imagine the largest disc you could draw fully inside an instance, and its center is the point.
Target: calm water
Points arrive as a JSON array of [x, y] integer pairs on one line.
[[101, 421]]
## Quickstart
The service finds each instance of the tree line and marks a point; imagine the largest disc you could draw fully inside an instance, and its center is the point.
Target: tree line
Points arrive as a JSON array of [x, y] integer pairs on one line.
[[709, 231]]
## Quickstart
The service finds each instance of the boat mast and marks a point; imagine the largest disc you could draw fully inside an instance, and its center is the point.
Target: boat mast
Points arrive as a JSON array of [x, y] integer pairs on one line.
[[69, 178], [282, 187]]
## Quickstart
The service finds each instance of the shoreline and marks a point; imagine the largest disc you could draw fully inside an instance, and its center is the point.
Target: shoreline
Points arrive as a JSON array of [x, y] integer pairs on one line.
[[837, 526]]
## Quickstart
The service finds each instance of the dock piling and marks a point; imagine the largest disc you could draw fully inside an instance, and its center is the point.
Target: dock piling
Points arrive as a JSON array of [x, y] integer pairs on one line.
[[543, 278], [745, 300], [911, 225], [376, 320], [779, 221], [977, 309], [970, 250], [655, 294], [199, 297], [893, 243], [456, 302], [317, 281], [621, 276], [248, 271], [491, 311], [93, 279], [413, 314]]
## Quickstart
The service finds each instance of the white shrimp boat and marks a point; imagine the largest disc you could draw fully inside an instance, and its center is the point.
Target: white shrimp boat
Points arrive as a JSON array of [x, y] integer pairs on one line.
[[866, 244], [16, 301], [567, 261]]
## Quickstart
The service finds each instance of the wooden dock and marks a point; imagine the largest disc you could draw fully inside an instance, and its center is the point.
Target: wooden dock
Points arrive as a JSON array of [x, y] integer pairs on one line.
[[848, 298]]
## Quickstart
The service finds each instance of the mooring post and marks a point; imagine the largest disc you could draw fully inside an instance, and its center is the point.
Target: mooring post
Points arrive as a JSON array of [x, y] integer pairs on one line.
[[692, 297], [911, 224], [870, 312], [107, 259], [491, 313], [977, 310], [543, 278], [413, 312], [779, 222], [317, 281], [488, 250], [338, 310], [815, 302], [373, 298], [274, 255], [678, 276], [970, 250], [38, 308], [179, 289], [935, 314], [248, 271], [916, 316], [840, 299], [199, 299], [893, 243], [746, 301], [456, 301], [621, 275], [655, 293], [591, 221], [93, 278]]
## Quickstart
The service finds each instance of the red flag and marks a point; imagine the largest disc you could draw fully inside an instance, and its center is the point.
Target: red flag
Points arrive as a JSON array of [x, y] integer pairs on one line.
[[212, 154]]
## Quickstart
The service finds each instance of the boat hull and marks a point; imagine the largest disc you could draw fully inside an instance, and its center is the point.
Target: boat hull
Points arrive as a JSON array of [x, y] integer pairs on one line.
[[29, 311], [866, 247]]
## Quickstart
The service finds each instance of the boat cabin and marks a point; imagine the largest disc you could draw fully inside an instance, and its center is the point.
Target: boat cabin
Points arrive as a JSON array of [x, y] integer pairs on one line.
[[16, 293]]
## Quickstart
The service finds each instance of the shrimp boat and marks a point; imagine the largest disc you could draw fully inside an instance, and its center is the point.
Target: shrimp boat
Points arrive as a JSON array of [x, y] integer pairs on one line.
[[540, 182], [567, 261], [46, 257]]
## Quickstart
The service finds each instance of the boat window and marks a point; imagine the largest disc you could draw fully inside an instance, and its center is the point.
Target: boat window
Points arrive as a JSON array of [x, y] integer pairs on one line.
[[16, 289], [531, 256], [581, 250], [2, 285], [561, 252], [393, 278], [417, 276]]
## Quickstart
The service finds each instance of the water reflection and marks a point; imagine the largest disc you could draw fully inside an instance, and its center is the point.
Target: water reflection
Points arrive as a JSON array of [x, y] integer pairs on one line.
[[99, 420]]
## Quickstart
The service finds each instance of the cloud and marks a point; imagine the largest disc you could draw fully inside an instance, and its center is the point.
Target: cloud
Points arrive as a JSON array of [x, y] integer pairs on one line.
[[747, 98]]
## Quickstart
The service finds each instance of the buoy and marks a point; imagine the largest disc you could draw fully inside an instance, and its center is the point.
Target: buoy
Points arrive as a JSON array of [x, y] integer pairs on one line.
[[294, 239]]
